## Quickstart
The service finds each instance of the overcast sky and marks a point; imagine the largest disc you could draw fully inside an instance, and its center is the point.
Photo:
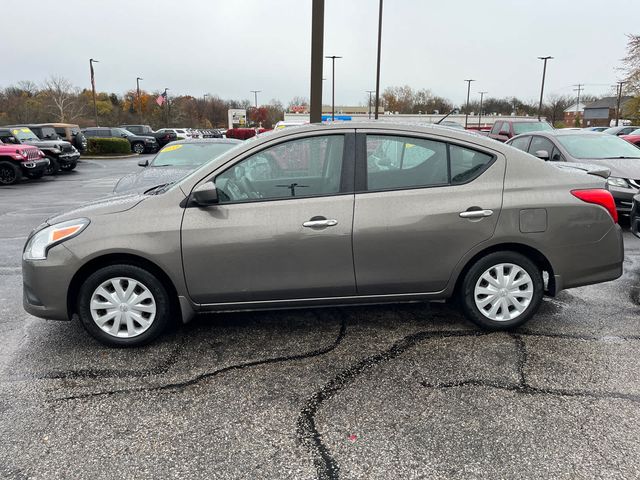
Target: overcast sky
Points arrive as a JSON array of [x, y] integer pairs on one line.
[[228, 48]]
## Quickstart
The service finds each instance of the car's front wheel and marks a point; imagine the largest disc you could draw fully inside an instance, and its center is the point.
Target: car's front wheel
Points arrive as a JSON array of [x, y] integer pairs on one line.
[[502, 290], [123, 305], [9, 173], [138, 148]]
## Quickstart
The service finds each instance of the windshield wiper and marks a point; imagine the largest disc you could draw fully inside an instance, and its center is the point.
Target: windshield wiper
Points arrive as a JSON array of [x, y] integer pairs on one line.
[[158, 188], [619, 156]]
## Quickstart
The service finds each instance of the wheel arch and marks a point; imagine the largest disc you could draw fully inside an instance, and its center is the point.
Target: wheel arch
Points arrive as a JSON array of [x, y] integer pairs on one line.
[[114, 259], [528, 251]]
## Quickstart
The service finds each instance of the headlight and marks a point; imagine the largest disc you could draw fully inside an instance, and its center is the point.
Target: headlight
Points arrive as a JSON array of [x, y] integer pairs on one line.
[[149, 140], [56, 151], [39, 244], [618, 182]]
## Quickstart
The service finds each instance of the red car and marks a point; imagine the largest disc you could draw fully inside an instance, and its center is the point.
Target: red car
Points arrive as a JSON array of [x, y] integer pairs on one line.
[[17, 161], [633, 137]]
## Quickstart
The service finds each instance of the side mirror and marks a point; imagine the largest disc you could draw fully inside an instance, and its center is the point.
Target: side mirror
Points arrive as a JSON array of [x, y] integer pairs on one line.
[[543, 154], [143, 163], [205, 194]]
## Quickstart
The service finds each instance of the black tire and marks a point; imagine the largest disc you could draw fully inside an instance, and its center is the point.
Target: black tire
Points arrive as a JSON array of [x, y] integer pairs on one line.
[[10, 173], [54, 166], [152, 284], [138, 148], [35, 175], [467, 290]]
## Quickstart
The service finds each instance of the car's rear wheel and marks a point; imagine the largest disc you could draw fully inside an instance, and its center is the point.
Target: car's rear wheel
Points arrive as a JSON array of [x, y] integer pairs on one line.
[[9, 173], [54, 166], [138, 148], [502, 290], [124, 306]]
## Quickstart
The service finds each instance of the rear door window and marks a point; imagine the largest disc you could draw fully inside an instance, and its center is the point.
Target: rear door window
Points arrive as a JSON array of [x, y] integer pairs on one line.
[[395, 162]]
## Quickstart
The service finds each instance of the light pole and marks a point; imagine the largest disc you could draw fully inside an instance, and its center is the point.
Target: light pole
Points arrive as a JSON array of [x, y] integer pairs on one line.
[[579, 89], [619, 88], [333, 85], [544, 72], [317, 46], [480, 112], [466, 116], [370, 92], [93, 89], [378, 60], [139, 100], [166, 101]]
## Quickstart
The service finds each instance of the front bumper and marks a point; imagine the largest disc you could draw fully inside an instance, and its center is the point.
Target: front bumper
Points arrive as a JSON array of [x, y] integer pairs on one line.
[[68, 158], [35, 166], [46, 283]]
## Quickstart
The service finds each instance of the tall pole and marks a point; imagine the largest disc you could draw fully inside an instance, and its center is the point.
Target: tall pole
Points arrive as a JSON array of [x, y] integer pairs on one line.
[[317, 46], [466, 116], [139, 100], [93, 89], [333, 85], [618, 102], [544, 72], [378, 61], [255, 93], [370, 92], [579, 89], [166, 100], [480, 112]]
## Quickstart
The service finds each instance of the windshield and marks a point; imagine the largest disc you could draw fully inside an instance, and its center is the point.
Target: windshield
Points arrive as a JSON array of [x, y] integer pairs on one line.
[[525, 127], [594, 146], [122, 131], [24, 134], [187, 154]]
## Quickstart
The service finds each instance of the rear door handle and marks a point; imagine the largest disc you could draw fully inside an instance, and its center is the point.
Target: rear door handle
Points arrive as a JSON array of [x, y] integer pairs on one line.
[[476, 213], [320, 223]]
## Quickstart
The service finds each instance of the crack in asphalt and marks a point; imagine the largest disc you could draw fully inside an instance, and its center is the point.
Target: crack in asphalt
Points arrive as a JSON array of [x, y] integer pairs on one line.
[[203, 376], [523, 387], [326, 466]]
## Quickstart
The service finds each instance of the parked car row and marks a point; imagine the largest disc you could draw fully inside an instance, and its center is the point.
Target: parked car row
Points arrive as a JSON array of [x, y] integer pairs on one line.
[[60, 154]]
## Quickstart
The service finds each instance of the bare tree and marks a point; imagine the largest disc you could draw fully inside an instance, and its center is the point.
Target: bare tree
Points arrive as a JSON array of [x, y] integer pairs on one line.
[[64, 98], [631, 63]]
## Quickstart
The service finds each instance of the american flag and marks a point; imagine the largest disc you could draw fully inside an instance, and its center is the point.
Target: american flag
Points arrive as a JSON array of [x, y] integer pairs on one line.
[[161, 98]]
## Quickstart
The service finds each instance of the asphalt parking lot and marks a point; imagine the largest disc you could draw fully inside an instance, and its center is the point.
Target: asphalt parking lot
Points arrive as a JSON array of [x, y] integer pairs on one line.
[[411, 391]]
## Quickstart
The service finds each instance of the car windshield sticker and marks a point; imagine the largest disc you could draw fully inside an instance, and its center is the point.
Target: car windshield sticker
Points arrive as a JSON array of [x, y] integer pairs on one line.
[[171, 148]]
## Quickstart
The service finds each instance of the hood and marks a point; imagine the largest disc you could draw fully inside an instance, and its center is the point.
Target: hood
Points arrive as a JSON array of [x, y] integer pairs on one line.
[[104, 206], [150, 177], [47, 143], [620, 167]]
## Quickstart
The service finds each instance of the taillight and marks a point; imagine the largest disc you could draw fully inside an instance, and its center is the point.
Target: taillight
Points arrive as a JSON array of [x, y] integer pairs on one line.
[[600, 197]]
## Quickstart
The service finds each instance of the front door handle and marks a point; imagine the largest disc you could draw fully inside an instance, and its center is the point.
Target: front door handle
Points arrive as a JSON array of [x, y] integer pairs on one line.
[[476, 213], [320, 223]]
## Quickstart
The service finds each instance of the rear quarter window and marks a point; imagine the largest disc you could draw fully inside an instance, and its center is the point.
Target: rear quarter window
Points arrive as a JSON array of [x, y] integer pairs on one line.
[[467, 164]]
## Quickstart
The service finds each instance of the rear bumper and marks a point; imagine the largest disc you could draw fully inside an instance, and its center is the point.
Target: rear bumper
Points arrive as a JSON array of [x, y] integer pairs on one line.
[[591, 263]]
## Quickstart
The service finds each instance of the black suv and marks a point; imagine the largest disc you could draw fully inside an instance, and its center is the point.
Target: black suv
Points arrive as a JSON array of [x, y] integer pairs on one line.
[[61, 154], [139, 143]]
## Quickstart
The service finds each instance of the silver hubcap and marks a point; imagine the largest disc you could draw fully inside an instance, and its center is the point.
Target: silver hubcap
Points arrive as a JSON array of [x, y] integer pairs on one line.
[[503, 292], [138, 148], [123, 307]]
